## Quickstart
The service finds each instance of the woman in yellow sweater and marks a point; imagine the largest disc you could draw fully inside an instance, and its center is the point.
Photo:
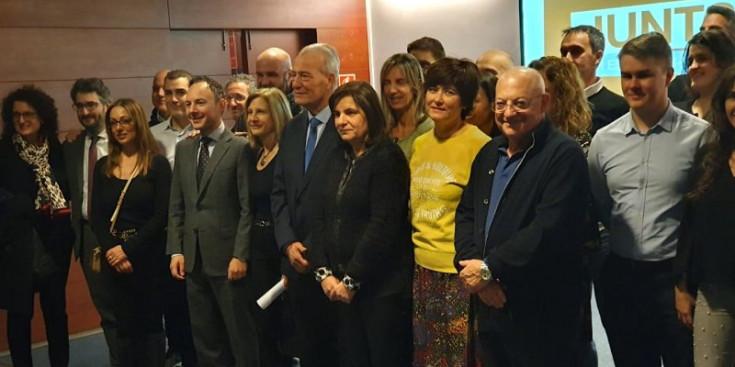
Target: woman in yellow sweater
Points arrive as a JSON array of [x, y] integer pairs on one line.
[[440, 168]]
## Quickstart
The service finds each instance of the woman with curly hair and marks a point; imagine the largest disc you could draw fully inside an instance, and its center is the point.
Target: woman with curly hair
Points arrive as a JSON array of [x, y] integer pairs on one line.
[[569, 111], [705, 254], [32, 169]]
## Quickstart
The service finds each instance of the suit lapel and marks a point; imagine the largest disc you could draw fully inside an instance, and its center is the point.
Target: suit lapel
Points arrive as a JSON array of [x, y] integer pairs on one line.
[[78, 170], [219, 151]]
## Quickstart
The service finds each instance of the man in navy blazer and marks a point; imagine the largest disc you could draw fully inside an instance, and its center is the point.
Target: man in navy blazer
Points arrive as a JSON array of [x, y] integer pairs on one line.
[[306, 142], [519, 232]]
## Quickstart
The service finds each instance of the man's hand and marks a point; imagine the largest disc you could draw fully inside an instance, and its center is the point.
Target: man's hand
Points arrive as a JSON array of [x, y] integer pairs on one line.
[[72, 135], [328, 285], [116, 255], [492, 295], [470, 275], [177, 267], [684, 306], [237, 269], [295, 253]]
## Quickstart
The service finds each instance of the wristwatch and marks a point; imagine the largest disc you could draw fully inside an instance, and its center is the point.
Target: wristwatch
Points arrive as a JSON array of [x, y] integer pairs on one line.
[[322, 273], [350, 283], [485, 272]]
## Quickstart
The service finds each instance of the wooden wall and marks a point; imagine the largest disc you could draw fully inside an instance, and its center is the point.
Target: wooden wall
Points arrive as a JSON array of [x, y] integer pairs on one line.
[[52, 43]]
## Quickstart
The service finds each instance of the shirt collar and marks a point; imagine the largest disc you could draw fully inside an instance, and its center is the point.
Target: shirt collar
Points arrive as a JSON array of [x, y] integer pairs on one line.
[[665, 123], [216, 135], [168, 126], [593, 89], [323, 115], [101, 136]]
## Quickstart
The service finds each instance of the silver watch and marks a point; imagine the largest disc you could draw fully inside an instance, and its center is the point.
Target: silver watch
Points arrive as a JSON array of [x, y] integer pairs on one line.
[[485, 272], [322, 273]]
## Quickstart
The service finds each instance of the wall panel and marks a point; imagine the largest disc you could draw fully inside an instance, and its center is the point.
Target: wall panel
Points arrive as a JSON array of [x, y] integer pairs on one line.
[[84, 14]]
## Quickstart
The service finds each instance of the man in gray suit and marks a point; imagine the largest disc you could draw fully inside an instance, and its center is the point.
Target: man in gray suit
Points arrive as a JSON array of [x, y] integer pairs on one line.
[[90, 98], [209, 231]]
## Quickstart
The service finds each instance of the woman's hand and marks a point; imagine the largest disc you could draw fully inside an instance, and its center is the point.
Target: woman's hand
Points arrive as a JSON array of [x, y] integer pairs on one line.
[[115, 256], [342, 294], [684, 306], [328, 285], [124, 267]]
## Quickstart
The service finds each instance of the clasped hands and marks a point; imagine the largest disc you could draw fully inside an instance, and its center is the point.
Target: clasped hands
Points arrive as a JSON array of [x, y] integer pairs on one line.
[[336, 290], [489, 291], [119, 261]]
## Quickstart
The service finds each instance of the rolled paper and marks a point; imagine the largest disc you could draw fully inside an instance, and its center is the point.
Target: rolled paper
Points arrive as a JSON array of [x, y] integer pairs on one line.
[[271, 295]]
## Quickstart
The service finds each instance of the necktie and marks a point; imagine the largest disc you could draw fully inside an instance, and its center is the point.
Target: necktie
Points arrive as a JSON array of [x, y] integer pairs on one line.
[[91, 161], [203, 158], [311, 141]]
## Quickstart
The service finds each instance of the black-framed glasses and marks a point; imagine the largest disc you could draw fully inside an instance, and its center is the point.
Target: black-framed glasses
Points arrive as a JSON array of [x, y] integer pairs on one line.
[[29, 115], [237, 98], [125, 121]]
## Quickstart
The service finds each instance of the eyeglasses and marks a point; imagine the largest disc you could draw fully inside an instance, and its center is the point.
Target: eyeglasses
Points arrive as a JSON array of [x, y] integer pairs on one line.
[[518, 105], [125, 121], [79, 107], [236, 97], [25, 115]]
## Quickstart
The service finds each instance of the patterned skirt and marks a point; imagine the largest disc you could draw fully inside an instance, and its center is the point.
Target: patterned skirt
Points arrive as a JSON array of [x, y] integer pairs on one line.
[[440, 321]]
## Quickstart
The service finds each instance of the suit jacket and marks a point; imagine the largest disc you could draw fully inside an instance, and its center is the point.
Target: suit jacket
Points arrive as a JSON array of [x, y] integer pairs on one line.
[[216, 216], [74, 161], [296, 192], [606, 108]]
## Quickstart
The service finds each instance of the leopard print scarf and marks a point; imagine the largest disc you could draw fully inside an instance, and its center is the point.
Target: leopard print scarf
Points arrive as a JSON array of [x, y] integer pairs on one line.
[[49, 191]]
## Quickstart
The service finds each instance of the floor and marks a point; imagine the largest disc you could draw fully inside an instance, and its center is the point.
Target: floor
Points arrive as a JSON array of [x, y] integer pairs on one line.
[[89, 349]]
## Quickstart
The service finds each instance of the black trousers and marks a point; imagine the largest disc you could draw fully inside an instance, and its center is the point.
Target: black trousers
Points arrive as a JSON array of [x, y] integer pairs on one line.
[[535, 328], [639, 314], [52, 294], [316, 344], [374, 332], [176, 317]]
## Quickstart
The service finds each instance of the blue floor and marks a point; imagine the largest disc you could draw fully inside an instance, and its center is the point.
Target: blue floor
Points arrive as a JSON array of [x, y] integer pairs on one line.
[[91, 350]]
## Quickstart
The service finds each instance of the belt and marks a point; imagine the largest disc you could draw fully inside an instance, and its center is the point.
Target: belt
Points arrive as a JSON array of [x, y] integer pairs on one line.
[[661, 266], [262, 223]]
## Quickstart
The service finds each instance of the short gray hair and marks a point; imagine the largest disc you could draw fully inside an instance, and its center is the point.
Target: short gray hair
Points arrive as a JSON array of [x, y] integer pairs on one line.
[[246, 79], [329, 55]]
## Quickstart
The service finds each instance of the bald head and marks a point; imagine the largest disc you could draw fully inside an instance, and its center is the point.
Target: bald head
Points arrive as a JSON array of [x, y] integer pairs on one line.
[[157, 93], [495, 62], [271, 69], [520, 103]]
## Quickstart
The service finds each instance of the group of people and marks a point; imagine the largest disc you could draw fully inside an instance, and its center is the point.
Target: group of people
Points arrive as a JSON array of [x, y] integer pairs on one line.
[[459, 217]]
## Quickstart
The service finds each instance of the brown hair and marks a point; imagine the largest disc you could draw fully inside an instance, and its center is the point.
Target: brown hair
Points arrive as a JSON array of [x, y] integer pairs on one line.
[[277, 107], [570, 111], [367, 100], [145, 143]]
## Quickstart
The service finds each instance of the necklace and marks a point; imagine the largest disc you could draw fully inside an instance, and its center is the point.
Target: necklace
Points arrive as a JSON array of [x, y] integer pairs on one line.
[[264, 155]]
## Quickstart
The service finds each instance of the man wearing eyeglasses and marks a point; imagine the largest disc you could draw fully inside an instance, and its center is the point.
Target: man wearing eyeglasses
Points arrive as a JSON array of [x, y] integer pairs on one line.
[[237, 90], [90, 98], [520, 229]]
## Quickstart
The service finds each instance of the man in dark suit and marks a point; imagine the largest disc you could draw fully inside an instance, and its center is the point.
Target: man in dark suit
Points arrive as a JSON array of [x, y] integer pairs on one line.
[[209, 231], [90, 98], [306, 142], [520, 229], [584, 45]]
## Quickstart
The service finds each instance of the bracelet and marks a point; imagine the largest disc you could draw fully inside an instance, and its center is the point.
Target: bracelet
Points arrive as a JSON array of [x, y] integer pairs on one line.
[[350, 283], [322, 273]]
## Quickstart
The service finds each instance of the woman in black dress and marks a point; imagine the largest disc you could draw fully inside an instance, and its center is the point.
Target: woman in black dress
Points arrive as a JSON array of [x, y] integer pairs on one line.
[[362, 250], [267, 111], [705, 253], [32, 169], [133, 249]]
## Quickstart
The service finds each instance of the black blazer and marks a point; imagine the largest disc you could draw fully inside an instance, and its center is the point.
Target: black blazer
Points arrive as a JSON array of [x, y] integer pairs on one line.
[[536, 237], [361, 225], [606, 108], [295, 193], [74, 162]]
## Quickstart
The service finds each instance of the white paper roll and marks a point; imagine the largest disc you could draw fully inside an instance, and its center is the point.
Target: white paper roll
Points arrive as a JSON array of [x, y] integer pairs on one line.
[[266, 299]]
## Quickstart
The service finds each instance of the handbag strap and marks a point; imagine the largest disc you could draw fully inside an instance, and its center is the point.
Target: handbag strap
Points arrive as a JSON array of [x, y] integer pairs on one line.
[[113, 220]]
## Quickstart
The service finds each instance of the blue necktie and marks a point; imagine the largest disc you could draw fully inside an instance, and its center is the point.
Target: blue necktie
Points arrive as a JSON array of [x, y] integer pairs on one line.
[[310, 142]]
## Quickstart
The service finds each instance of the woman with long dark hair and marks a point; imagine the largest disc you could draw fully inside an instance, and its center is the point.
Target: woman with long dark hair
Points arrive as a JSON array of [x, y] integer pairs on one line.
[[705, 256], [129, 214]]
